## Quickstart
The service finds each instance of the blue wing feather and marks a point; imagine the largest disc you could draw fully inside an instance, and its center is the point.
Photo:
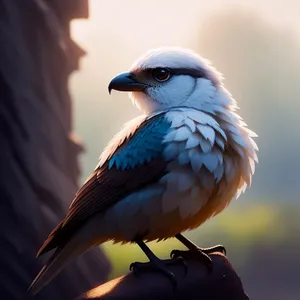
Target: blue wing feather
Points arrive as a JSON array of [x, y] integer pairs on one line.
[[143, 146]]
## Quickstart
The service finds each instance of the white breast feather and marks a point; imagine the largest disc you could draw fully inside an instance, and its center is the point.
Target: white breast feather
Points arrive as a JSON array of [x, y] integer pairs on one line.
[[202, 168]]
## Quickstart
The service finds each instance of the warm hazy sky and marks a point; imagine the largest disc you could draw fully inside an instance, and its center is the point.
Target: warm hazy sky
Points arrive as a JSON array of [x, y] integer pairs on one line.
[[117, 30], [152, 23]]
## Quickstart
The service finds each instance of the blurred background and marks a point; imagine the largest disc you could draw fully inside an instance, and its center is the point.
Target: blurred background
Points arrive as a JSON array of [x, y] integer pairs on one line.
[[255, 44]]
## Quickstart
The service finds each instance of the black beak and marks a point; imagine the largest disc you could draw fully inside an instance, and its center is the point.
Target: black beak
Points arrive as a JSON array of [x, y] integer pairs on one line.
[[125, 82]]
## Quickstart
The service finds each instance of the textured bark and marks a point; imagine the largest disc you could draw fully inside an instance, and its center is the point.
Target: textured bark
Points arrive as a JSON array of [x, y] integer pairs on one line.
[[38, 150], [221, 284]]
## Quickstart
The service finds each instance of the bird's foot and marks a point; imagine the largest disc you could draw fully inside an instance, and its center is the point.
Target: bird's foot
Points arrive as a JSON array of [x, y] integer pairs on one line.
[[158, 265], [197, 253]]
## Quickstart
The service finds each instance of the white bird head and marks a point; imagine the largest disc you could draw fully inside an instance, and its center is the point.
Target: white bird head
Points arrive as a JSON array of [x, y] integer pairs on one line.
[[172, 77]]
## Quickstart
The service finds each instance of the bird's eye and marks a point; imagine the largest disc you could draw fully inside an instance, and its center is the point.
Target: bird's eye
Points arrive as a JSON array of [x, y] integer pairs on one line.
[[161, 74]]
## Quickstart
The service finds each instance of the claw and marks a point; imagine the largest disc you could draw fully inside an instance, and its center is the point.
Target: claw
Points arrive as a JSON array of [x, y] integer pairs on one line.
[[198, 253], [133, 268], [181, 260], [173, 279], [160, 265], [174, 253]]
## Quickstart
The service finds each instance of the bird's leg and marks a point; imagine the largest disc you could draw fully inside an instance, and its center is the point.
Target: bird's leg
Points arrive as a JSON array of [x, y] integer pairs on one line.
[[156, 264], [191, 246], [201, 253]]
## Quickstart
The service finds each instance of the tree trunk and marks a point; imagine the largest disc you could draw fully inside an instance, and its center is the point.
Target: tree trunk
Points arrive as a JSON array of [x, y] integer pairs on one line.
[[38, 150]]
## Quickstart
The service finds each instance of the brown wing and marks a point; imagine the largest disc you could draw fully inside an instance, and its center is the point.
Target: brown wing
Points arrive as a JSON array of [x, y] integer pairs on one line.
[[105, 186]]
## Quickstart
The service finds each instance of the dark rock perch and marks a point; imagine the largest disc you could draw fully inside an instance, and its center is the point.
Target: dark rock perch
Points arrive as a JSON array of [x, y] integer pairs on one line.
[[221, 284], [38, 150]]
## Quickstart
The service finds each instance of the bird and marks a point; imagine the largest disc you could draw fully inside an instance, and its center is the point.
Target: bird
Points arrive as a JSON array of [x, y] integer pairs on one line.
[[169, 170]]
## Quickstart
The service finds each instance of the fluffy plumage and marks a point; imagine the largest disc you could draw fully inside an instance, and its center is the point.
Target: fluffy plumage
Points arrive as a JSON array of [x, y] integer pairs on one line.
[[167, 171]]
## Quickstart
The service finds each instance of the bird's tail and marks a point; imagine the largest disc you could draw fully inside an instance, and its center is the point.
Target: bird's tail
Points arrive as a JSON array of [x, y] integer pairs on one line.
[[60, 258]]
